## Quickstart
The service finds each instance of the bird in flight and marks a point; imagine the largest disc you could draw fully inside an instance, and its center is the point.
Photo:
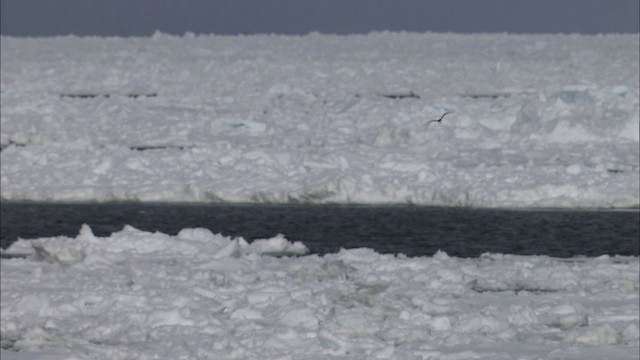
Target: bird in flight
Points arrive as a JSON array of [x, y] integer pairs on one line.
[[439, 120]]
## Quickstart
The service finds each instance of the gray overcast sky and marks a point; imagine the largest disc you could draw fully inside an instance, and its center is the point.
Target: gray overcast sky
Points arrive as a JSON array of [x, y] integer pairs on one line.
[[144, 17]]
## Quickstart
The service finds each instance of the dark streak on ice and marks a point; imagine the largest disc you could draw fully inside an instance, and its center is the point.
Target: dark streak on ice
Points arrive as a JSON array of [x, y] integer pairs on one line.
[[91, 96], [399, 96], [159, 147]]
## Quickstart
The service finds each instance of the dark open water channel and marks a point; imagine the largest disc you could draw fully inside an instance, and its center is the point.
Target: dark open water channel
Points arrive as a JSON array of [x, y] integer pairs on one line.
[[411, 230]]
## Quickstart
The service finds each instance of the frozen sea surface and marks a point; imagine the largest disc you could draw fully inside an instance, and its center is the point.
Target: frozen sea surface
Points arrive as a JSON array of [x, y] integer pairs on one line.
[[197, 295], [539, 121]]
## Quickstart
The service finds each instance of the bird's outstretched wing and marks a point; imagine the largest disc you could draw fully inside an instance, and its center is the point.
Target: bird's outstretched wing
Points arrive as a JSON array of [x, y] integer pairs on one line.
[[441, 117]]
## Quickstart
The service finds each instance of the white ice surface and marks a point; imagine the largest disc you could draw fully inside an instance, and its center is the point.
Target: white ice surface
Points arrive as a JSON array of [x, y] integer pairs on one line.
[[197, 295], [540, 120]]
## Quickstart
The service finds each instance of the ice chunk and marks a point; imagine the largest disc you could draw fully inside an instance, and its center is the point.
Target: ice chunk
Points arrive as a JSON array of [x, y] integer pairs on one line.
[[233, 249], [277, 246], [574, 169], [303, 318], [565, 316]]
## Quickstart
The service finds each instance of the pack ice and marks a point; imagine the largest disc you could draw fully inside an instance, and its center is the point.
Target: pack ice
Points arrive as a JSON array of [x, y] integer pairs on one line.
[[197, 295], [536, 121], [540, 120]]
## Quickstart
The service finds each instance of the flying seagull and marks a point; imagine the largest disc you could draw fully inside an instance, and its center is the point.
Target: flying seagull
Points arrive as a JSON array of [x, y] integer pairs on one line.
[[439, 120]]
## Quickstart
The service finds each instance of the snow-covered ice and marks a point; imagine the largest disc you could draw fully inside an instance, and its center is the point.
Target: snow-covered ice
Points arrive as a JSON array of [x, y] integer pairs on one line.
[[197, 295], [540, 120]]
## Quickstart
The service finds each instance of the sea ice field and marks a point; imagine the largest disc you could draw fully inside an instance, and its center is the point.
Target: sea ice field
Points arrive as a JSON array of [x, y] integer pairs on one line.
[[534, 121], [537, 120], [197, 295]]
